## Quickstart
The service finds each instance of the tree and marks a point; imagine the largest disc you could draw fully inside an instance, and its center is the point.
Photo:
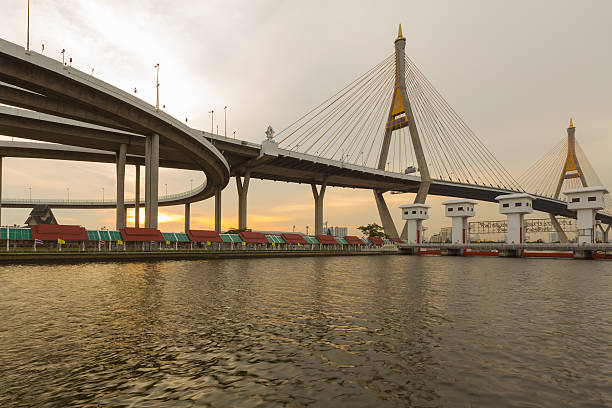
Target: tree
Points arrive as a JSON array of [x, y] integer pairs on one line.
[[372, 230]]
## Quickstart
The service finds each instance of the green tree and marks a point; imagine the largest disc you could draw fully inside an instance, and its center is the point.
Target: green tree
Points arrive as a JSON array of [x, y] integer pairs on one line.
[[372, 230]]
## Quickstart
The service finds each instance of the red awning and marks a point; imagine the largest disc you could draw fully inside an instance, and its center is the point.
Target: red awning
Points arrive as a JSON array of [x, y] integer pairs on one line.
[[141, 235], [49, 232], [377, 240], [293, 239], [353, 240], [326, 240], [204, 236], [396, 240], [253, 237]]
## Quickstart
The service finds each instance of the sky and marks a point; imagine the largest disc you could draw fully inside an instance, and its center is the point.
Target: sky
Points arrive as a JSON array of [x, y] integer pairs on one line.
[[514, 71]]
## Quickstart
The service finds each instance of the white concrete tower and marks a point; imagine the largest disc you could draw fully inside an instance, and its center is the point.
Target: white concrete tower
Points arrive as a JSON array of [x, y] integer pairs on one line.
[[414, 214], [459, 211], [515, 206], [586, 201]]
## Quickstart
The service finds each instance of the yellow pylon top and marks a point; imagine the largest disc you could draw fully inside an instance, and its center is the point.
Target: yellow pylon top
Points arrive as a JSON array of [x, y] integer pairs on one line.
[[399, 33], [571, 123]]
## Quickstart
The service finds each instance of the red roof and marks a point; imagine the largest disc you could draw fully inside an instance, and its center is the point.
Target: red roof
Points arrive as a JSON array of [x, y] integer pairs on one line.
[[204, 236], [377, 240], [293, 239], [50, 232], [353, 240], [326, 239], [141, 234], [396, 240], [253, 237]]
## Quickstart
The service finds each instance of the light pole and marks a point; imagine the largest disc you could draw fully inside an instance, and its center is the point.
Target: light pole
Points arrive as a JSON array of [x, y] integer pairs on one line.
[[234, 134], [212, 117], [157, 86], [63, 52], [166, 184], [28, 39], [102, 194], [225, 111], [68, 191]]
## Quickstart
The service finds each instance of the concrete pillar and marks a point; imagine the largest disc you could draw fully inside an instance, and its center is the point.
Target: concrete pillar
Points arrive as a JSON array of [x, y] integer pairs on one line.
[[120, 220], [415, 214], [318, 199], [187, 217], [385, 215], [515, 206], [218, 209], [137, 199], [151, 180], [459, 211], [586, 201], [242, 184]]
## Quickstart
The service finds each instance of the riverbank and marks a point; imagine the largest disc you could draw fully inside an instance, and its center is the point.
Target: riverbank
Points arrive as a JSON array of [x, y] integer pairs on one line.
[[119, 256]]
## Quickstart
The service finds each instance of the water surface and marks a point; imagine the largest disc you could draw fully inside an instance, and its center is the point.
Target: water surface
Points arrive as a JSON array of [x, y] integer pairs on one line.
[[380, 331]]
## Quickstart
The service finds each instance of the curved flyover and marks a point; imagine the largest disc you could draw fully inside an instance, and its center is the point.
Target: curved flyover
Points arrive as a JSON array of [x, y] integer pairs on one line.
[[40, 84]]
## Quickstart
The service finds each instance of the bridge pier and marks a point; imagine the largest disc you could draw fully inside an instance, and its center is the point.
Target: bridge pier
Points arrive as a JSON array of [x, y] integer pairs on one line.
[[218, 209], [151, 180], [120, 219], [385, 215], [137, 199], [318, 199], [187, 217], [242, 184]]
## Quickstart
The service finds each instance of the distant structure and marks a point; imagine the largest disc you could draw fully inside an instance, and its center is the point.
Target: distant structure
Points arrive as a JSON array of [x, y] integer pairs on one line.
[[336, 231], [41, 214]]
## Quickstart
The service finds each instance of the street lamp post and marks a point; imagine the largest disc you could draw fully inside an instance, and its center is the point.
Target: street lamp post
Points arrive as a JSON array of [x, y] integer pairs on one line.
[[157, 87], [225, 111], [63, 54], [102, 194], [68, 191], [234, 134], [166, 184], [28, 37], [212, 117]]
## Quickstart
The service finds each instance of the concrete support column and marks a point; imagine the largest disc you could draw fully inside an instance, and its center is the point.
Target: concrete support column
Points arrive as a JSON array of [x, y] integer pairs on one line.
[[120, 220], [385, 215], [218, 209], [137, 199], [187, 217], [151, 180], [318, 198], [242, 183]]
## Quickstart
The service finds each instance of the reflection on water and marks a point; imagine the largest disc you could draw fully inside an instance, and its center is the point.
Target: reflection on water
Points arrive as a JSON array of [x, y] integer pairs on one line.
[[344, 331]]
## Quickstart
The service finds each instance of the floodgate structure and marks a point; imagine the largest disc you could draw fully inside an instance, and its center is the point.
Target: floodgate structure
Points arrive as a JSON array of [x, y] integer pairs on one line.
[[387, 131]]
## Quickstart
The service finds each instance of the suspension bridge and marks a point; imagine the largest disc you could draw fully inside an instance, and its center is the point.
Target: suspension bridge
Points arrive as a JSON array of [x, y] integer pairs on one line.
[[388, 130]]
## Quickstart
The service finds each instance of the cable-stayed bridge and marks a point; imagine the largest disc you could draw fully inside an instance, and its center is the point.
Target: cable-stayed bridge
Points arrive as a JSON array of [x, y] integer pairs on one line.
[[389, 130]]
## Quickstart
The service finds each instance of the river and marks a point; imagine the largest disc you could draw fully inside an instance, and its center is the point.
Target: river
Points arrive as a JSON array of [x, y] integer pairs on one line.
[[379, 331]]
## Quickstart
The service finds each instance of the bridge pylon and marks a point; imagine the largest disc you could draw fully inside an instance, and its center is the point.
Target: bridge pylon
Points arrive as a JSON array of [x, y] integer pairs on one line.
[[571, 169], [401, 116]]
